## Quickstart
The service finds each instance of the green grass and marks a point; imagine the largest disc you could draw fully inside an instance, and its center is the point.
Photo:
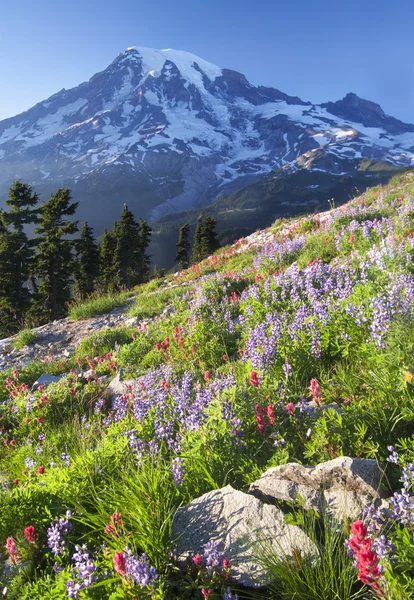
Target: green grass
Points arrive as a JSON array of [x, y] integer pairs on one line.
[[152, 304], [26, 337], [102, 342], [98, 305], [330, 575]]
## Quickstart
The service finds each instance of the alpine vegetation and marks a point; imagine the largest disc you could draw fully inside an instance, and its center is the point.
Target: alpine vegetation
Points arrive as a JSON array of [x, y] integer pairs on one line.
[[247, 432]]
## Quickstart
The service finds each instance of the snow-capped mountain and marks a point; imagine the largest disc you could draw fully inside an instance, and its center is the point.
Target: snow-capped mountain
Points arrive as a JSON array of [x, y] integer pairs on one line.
[[166, 130]]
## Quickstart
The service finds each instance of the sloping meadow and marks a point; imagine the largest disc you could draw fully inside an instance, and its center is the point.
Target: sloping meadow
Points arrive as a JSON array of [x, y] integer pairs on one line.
[[298, 349]]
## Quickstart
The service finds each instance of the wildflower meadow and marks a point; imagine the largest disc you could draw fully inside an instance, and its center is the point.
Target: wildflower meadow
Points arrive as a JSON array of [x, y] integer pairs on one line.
[[299, 348]]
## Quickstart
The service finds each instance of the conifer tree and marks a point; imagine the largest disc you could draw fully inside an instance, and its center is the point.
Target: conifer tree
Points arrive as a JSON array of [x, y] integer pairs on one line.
[[144, 259], [54, 259], [87, 263], [183, 253], [107, 249], [17, 253], [209, 241], [8, 321], [127, 251], [198, 238]]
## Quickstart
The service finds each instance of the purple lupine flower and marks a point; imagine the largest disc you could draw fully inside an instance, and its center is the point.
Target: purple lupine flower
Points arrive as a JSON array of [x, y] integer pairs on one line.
[[139, 569], [178, 470], [213, 556], [229, 596], [393, 457], [83, 572], [56, 533]]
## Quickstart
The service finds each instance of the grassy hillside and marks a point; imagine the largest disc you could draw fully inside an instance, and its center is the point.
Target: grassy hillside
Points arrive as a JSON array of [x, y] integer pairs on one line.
[[296, 345], [279, 194]]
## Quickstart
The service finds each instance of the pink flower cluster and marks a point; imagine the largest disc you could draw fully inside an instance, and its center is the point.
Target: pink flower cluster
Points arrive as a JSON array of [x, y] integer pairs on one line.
[[367, 562]]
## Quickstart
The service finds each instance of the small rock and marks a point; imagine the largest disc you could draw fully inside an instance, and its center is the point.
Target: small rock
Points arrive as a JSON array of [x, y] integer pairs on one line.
[[169, 310], [244, 525], [131, 322], [45, 379], [117, 387]]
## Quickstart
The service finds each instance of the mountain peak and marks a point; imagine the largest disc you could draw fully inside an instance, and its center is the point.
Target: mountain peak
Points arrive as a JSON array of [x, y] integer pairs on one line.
[[166, 130], [360, 104], [153, 60]]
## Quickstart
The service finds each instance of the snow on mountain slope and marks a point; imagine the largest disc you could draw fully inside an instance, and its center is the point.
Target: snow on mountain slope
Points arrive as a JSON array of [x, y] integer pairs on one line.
[[171, 130]]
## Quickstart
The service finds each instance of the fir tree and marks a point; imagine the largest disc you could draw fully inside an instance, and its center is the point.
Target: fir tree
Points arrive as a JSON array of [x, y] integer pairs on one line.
[[198, 238], [128, 250], [209, 241], [54, 259], [183, 245], [8, 321], [87, 263], [144, 259], [17, 253], [107, 249]]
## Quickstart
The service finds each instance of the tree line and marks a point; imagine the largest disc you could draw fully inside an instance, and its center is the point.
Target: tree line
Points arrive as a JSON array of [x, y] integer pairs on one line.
[[205, 242], [40, 275]]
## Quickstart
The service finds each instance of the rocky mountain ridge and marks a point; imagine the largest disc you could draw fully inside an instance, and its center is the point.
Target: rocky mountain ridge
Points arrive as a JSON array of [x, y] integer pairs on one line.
[[166, 131]]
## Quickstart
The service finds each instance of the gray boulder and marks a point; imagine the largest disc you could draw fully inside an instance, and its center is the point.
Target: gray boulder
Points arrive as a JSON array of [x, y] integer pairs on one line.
[[343, 486], [245, 526], [45, 379]]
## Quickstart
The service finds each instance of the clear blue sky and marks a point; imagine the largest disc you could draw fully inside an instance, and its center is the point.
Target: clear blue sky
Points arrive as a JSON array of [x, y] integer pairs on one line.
[[317, 50]]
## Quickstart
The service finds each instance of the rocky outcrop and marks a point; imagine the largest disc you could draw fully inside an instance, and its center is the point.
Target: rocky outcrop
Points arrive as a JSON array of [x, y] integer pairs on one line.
[[343, 486], [245, 526]]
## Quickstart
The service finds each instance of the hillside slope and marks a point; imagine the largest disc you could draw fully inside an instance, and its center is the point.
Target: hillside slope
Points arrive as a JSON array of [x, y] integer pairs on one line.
[[294, 345]]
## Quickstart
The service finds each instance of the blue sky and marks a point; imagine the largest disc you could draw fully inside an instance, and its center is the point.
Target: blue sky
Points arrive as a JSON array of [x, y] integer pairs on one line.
[[317, 50]]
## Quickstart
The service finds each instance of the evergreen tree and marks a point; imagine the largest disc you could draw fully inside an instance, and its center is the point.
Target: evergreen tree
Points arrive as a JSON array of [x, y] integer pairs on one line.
[[107, 249], [8, 321], [54, 259], [198, 238], [128, 250], [158, 273], [183, 245], [17, 253], [87, 263], [145, 260], [209, 241]]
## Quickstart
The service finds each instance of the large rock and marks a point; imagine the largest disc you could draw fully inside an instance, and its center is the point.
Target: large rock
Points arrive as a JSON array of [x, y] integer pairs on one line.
[[343, 486], [244, 525]]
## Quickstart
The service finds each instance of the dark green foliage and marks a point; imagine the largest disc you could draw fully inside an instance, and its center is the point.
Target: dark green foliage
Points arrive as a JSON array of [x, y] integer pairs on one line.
[[183, 253], [209, 241], [205, 239], [107, 263], [145, 260], [16, 255], [198, 239], [128, 250], [54, 260], [87, 263]]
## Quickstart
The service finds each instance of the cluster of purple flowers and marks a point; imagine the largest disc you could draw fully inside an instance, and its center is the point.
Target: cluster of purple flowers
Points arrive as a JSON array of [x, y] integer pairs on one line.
[[213, 554], [175, 405], [229, 596], [139, 569], [178, 470], [401, 510], [275, 251], [56, 533], [84, 572]]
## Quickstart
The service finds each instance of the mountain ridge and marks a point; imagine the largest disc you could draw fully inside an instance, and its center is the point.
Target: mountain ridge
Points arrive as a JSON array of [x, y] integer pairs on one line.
[[166, 131]]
